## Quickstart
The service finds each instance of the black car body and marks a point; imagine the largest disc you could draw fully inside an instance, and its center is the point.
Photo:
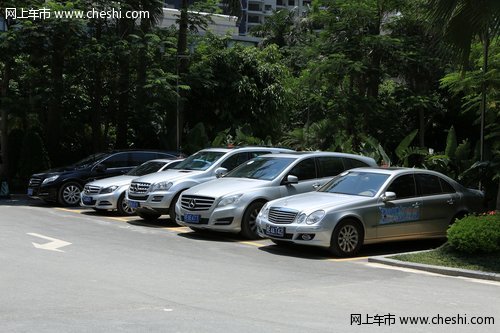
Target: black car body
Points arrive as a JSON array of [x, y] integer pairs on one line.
[[63, 185]]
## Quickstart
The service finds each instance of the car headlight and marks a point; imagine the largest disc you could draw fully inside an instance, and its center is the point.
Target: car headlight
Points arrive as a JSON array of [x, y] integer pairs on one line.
[[301, 218], [315, 217], [162, 186], [230, 199], [50, 179], [108, 189], [264, 212]]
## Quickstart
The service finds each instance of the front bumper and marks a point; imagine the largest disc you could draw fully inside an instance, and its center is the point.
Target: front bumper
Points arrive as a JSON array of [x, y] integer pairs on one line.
[[225, 219], [314, 235], [152, 202], [47, 193], [100, 201]]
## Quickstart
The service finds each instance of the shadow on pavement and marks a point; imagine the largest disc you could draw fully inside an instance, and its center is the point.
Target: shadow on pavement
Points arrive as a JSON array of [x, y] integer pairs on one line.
[[24, 200], [212, 236], [311, 252]]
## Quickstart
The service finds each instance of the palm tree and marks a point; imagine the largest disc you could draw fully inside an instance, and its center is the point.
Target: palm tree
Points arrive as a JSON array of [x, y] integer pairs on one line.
[[462, 21]]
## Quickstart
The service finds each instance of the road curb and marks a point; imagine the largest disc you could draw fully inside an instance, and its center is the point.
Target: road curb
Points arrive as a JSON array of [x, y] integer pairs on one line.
[[436, 269]]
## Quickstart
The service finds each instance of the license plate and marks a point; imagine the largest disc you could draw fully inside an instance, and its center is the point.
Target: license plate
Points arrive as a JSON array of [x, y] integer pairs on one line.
[[275, 231], [87, 200], [133, 204], [30, 191], [192, 218]]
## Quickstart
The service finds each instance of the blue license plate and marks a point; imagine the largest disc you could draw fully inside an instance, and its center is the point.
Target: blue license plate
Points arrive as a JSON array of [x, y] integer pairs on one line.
[[86, 200], [275, 231], [30, 191], [191, 218], [133, 204]]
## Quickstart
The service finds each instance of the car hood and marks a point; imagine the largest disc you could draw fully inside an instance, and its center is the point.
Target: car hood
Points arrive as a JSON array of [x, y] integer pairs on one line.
[[223, 186], [168, 175], [311, 201], [112, 181]]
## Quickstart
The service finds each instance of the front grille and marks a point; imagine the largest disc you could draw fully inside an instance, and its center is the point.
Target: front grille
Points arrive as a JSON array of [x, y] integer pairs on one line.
[[35, 182], [196, 203], [282, 215], [138, 197], [139, 188], [89, 189]]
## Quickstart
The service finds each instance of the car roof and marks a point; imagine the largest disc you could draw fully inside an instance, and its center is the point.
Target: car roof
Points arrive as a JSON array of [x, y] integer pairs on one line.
[[165, 160], [304, 154], [399, 170], [246, 148]]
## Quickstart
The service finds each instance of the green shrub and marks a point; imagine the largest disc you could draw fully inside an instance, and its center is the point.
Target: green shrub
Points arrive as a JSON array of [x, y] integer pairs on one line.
[[476, 234]]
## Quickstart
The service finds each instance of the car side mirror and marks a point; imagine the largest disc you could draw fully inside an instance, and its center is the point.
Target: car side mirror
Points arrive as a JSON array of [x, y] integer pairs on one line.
[[220, 172], [388, 196], [290, 179], [100, 168]]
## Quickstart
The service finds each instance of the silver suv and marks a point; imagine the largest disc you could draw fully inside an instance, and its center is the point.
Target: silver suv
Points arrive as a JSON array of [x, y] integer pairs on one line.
[[156, 194], [232, 203]]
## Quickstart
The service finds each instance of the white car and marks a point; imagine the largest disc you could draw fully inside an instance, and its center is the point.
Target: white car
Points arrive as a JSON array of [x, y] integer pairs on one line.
[[231, 203], [109, 193]]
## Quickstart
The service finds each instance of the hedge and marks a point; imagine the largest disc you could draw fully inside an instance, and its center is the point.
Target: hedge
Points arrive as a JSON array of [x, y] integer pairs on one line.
[[476, 234]]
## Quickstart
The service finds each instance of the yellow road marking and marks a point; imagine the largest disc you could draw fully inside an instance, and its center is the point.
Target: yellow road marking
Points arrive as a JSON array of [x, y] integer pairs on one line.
[[252, 243], [180, 230], [79, 211]]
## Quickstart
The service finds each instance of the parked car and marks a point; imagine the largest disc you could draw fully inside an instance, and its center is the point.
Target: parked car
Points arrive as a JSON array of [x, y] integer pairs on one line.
[[364, 206], [156, 194], [109, 193], [64, 185], [232, 203]]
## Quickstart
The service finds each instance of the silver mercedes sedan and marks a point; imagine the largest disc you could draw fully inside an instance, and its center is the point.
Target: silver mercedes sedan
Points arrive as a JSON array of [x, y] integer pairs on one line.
[[367, 205]]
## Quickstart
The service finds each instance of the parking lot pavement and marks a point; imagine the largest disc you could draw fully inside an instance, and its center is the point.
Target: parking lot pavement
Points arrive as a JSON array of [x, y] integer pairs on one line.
[[107, 273]]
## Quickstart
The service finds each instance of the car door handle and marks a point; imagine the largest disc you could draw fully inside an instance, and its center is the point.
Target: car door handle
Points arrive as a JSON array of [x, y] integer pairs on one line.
[[416, 205], [450, 201]]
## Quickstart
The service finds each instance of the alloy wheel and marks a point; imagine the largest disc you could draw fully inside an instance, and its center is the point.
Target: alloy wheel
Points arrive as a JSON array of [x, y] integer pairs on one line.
[[71, 194], [348, 238]]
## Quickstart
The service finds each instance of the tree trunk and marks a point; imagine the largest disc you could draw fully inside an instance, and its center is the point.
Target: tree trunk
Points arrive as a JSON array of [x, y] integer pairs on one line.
[[54, 115], [182, 67], [96, 114], [4, 124]]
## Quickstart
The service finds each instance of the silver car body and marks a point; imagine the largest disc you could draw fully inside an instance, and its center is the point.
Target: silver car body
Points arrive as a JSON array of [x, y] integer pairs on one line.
[[220, 204], [143, 192], [382, 215], [93, 197]]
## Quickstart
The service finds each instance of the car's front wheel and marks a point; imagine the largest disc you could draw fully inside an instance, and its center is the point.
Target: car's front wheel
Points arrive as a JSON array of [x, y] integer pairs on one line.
[[249, 220], [347, 239], [123, 207], [69, 194]]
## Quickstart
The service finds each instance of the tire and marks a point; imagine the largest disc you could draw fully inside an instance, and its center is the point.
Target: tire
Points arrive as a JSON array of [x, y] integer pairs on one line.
[[123, 208], [149, 216], [248, 222], [171, 209], [69, 194], [347, 239]]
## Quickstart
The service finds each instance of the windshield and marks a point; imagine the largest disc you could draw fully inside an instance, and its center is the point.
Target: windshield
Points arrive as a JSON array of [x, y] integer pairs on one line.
[[364, 184], [88, 161], [146, 168], [200, 161], [264, 168]]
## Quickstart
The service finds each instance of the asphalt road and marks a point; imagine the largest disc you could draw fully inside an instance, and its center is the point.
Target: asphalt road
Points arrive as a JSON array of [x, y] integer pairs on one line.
[[119, 274]]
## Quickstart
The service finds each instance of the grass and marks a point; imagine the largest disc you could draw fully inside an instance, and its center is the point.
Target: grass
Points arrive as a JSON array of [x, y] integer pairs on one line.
[[446, 256]]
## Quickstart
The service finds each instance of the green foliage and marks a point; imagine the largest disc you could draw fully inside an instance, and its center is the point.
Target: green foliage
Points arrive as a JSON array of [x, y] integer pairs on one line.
[[476, 234], [34, 157]]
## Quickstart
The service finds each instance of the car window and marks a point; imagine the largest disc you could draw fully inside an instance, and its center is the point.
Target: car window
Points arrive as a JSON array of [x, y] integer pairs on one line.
[[403, 186], [141, 157], [201, 160], [428, 184], [265, 168], [304, 170], [352, 163], [446, 187], [86, 162], [253, 154], [118, 160], [365, 184], [330, 166], [146, 168], [235, 160]]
